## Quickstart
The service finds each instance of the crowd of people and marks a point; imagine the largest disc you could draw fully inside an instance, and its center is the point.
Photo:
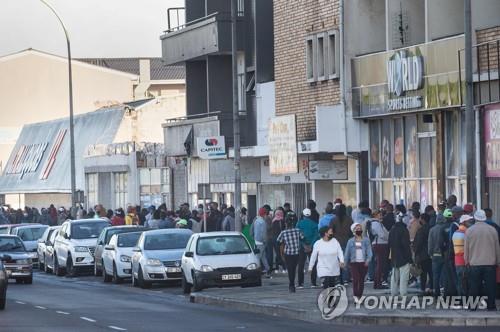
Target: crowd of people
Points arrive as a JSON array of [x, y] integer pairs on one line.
[[450, 251]]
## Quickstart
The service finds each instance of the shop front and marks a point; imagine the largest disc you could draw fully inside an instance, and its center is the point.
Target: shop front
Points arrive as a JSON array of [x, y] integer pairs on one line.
[[491, 151], [411, 100]]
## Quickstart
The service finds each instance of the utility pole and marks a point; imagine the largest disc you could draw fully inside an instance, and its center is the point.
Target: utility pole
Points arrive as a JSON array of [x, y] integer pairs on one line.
[[236, 119], [469, 105], [71, 120]]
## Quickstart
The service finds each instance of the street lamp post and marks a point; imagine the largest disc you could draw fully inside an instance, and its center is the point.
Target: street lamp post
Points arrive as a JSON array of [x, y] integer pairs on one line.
[[71, 122]]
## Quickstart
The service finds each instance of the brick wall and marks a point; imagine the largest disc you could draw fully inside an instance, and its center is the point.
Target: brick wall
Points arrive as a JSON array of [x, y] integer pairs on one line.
[[294, 20], [485, 36]]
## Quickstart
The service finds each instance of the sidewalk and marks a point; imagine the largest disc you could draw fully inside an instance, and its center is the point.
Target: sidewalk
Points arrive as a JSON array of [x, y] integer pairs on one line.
[[274, 299]]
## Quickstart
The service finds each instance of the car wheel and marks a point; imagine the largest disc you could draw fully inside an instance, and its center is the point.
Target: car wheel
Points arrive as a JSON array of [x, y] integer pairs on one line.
[[29, 280], [186, 287], [70, 268], [116, 279], [97, 271], [58, 271], [41, 266], [134, 281], [196, 285], [105, 276], [46, 267], [143, 283], [3, 299]]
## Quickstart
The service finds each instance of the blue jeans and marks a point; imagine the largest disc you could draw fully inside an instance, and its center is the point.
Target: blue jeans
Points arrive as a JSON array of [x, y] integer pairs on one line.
[[437, 270], [262, 257], [486, 274]]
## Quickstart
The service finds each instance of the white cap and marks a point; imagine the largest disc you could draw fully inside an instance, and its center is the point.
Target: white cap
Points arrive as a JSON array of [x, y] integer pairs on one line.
[[306, 212], [353, 226], [465, 218], [480, 215]]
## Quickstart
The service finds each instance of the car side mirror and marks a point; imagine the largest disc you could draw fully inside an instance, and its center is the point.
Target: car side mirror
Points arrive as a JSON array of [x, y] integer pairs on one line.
[[256, 251], [189, 254], [109, 247], [136, 249]]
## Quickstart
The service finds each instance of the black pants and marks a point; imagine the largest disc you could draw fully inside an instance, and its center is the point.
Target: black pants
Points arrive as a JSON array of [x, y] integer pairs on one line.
[[331, 281], [302, 262], [426, 266], [483, 274], [291, 262]]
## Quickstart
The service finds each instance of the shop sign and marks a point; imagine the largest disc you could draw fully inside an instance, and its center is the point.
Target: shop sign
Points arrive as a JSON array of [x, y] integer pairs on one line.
[[404, 73], [492, 141], [213, 147], [328, 170], [27, 159], [282, 145]]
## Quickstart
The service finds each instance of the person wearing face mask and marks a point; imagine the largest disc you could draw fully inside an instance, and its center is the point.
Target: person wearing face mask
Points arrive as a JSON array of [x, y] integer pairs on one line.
[[328, 254], [358, 255]]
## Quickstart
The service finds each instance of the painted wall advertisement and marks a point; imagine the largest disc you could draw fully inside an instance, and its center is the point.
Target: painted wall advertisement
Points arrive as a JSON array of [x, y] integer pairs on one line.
[[282, 145], [492, 140]]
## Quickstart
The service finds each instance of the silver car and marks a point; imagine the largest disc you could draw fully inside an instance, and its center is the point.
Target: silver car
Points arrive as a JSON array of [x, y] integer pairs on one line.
[[18, 262], [30, 234], [157, 257], [43, 244]]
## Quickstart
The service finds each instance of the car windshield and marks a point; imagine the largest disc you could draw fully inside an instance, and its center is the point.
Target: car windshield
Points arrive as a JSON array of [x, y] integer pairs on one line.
[[87, 230], [31, 233], [128, 240], [114, 230], [222, 245], [11, 244], [166, 241]]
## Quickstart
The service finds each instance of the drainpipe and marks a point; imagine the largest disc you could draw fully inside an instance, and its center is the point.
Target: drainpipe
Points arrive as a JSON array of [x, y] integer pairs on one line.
[[479, 195], [342, 79]]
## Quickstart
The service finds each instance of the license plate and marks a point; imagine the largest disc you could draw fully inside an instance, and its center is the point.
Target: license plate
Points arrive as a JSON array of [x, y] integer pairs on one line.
[[231, 276], [173, 269]]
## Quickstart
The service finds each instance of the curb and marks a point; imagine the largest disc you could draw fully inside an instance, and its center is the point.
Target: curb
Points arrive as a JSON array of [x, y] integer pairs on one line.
[[346, 319]]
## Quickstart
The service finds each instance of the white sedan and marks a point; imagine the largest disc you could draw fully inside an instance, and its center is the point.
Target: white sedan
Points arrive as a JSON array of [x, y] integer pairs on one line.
[[219, 259], [116, 256]]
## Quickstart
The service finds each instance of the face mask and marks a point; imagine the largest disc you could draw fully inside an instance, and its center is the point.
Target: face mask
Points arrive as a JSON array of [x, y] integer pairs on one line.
[[358, 233], [330, 236]]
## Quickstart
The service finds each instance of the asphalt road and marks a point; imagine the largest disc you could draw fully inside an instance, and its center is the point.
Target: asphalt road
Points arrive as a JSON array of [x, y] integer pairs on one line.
[[87, 304]]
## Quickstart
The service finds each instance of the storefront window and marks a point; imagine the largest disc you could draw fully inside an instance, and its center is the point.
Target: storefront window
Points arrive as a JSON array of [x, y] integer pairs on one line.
[[386, 153], [150, 186], [121, 189], [411, 146], [425, 157], [388, 190], [412, 192], [374, 149], [347, 191], [92, 186], [398, 148]]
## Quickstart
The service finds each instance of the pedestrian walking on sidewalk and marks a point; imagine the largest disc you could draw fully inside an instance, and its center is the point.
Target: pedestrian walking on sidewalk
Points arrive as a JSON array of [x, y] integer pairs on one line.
[[259, 234], [482, 255], [401, 257], [358, 255], [289, 240], [328, 257], [310, 230]]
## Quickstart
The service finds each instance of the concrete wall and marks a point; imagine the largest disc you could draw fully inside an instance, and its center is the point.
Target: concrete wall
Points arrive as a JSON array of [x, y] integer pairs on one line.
[[265, 96], [445, 18], [44, 200], [415, 20], [34, 87]]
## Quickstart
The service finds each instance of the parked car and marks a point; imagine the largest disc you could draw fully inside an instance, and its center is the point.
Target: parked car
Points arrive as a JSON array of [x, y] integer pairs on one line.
[[103, 240], [42, 245], [18, 263], [219, 259], [157, 256], [49, 252], [117, 256], [75, 244], [30, 234], [5, 228], [4, 282]]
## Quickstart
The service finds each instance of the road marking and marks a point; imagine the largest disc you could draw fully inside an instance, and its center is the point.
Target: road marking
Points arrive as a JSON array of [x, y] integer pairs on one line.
[[63, 312], [40, 307], [88, 319], [117, 328], [19, 302]]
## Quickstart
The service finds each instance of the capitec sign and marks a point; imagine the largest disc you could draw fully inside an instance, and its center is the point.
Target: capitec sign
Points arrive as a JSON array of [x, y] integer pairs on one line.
[[211, 147], [27, 159], [405, 73]]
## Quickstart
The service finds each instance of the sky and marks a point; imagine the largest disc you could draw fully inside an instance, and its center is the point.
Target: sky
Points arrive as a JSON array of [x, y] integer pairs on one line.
[[97, 28]]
